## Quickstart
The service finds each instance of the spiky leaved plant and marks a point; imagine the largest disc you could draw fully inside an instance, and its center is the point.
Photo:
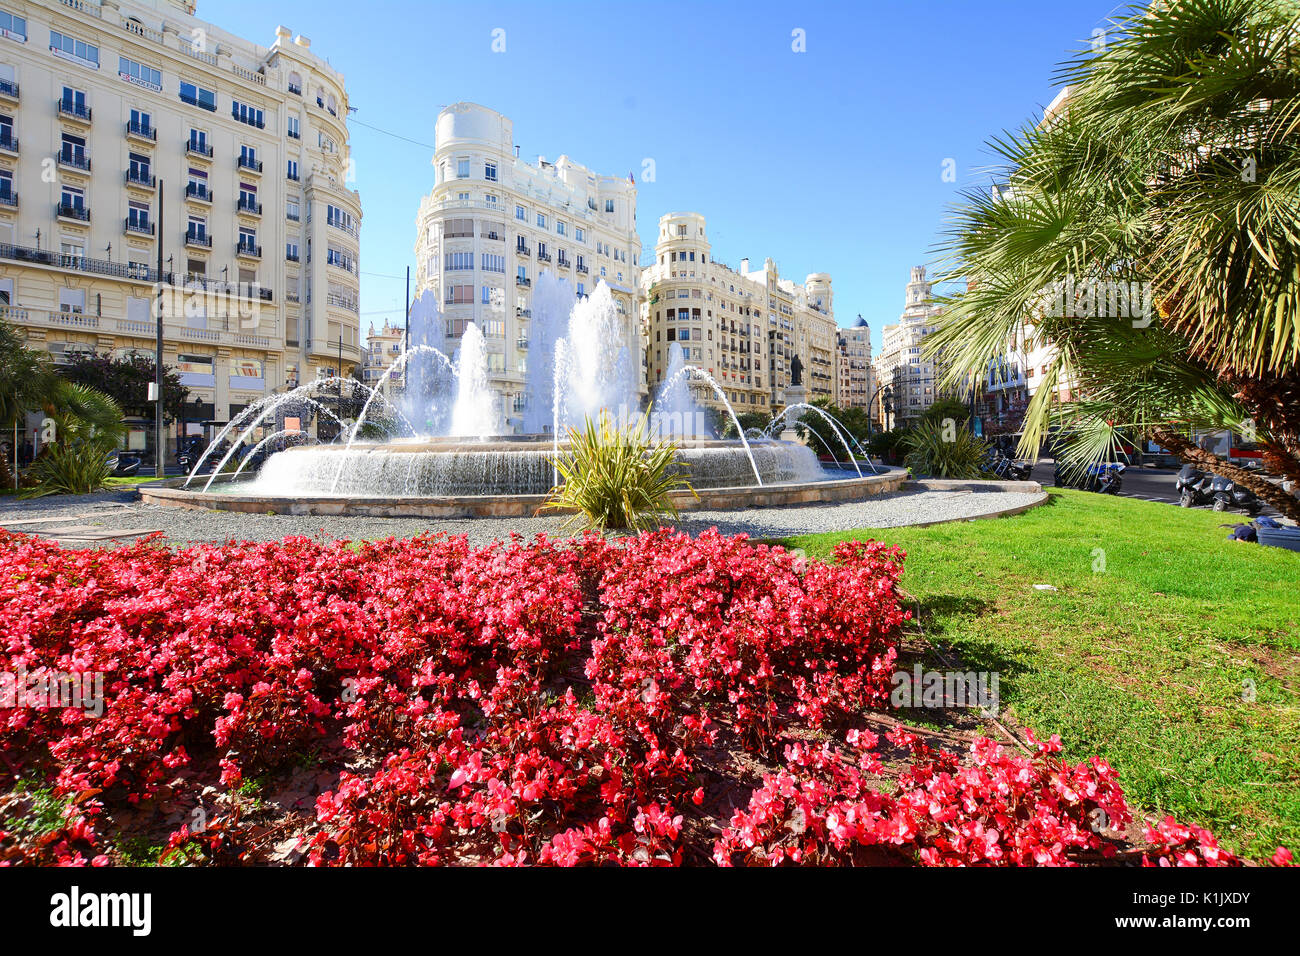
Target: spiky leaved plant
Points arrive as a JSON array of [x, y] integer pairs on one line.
[[617, 479]]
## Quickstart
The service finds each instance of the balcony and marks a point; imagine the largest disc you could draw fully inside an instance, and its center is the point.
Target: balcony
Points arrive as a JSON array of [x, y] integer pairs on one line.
[[196, 148], [72, 213], [198, 192], [523, 281], [295, 90], [494, 236], [521, 343], [72, 110], [248, 120], [57, 260], [562, 263], [523, 250], [248, 207], [195, 101], [139, 227], [9, 199], [248, 163], [8, 90], [8, 142], [198, 240], [142, 131], [248, 250], [78, 160], [138, 177], [291, 257], [343, 226], [543, 257], [583, 269]]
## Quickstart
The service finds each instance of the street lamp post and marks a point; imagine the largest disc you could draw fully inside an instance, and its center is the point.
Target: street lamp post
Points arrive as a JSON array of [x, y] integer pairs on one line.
[[159, 457]]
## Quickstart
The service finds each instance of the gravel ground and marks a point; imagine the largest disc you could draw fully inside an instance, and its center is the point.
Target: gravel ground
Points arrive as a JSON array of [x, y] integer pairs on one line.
[[121, 509]]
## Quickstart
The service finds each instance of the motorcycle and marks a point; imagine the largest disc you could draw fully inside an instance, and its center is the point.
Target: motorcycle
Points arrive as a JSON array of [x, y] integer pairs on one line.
[[1197, 487], [1106, 478], [122, 465]]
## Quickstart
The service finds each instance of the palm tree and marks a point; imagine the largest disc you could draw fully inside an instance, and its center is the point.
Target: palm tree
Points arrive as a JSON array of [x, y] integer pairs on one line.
[[26, 382], [1150, 232], [82, 416]]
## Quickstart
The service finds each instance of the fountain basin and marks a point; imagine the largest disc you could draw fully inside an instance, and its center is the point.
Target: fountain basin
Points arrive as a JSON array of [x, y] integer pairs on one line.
[[449, 467], [231, 497]]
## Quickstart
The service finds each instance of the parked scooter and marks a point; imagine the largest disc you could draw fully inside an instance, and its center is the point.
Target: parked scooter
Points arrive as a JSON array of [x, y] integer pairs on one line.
[[1197, 487]]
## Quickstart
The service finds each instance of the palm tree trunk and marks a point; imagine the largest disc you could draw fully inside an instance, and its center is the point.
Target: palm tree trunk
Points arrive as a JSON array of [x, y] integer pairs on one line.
[[1265, 490]]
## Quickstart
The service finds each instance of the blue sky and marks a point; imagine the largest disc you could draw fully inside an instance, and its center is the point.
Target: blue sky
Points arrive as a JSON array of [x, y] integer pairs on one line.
[[830, 160]]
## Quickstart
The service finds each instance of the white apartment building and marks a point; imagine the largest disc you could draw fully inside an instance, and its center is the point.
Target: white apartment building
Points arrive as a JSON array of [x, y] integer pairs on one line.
[[115, 114], [900, 365], [493, 223], [855, 380], [742, 327], [383, 348]]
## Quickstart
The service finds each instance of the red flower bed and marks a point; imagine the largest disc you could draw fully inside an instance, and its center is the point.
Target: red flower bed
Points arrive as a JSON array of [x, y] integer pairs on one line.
[[586, 702]]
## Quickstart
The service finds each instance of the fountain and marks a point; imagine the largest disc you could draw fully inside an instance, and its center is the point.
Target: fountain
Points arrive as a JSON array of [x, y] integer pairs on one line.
[[451, 449]]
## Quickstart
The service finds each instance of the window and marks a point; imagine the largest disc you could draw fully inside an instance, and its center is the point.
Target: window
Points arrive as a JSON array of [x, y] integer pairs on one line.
[[579, 234], [291, 251], [197, 96], [248, 157], [292, 172], [295, 83], [140, 74], [71, 48], [493, 262], [609, 205], [291, 211], [247, 114], [73, 151], [324, 142], [457, 261], [339, 219], [197, 228], [458, 228], [560, 227], [462, 169], [199, 141], [247, 196], [460, 295], [295, 127], [541, 220], [339, 258], [490, 172], [198, 184], [137, 216], [15, 28], [74, 101], [141, 122], [521, 213], [6, 185], [138, 172]]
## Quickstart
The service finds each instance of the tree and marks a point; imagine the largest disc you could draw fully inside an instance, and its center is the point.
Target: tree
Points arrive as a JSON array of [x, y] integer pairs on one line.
[[947, 407], [1149, 233], [127, 381], [818, 434]]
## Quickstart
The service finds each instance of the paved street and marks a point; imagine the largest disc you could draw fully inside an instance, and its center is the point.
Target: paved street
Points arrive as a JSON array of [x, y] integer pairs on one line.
[[1145, 484]]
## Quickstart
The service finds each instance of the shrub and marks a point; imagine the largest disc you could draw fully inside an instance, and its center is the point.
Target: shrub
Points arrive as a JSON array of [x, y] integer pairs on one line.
[[593, 702], [76, 467], [617, 479], [939, 451]]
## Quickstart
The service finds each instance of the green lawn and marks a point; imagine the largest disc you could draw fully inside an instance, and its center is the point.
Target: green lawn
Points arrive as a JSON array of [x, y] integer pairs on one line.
[[1167, 649]]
